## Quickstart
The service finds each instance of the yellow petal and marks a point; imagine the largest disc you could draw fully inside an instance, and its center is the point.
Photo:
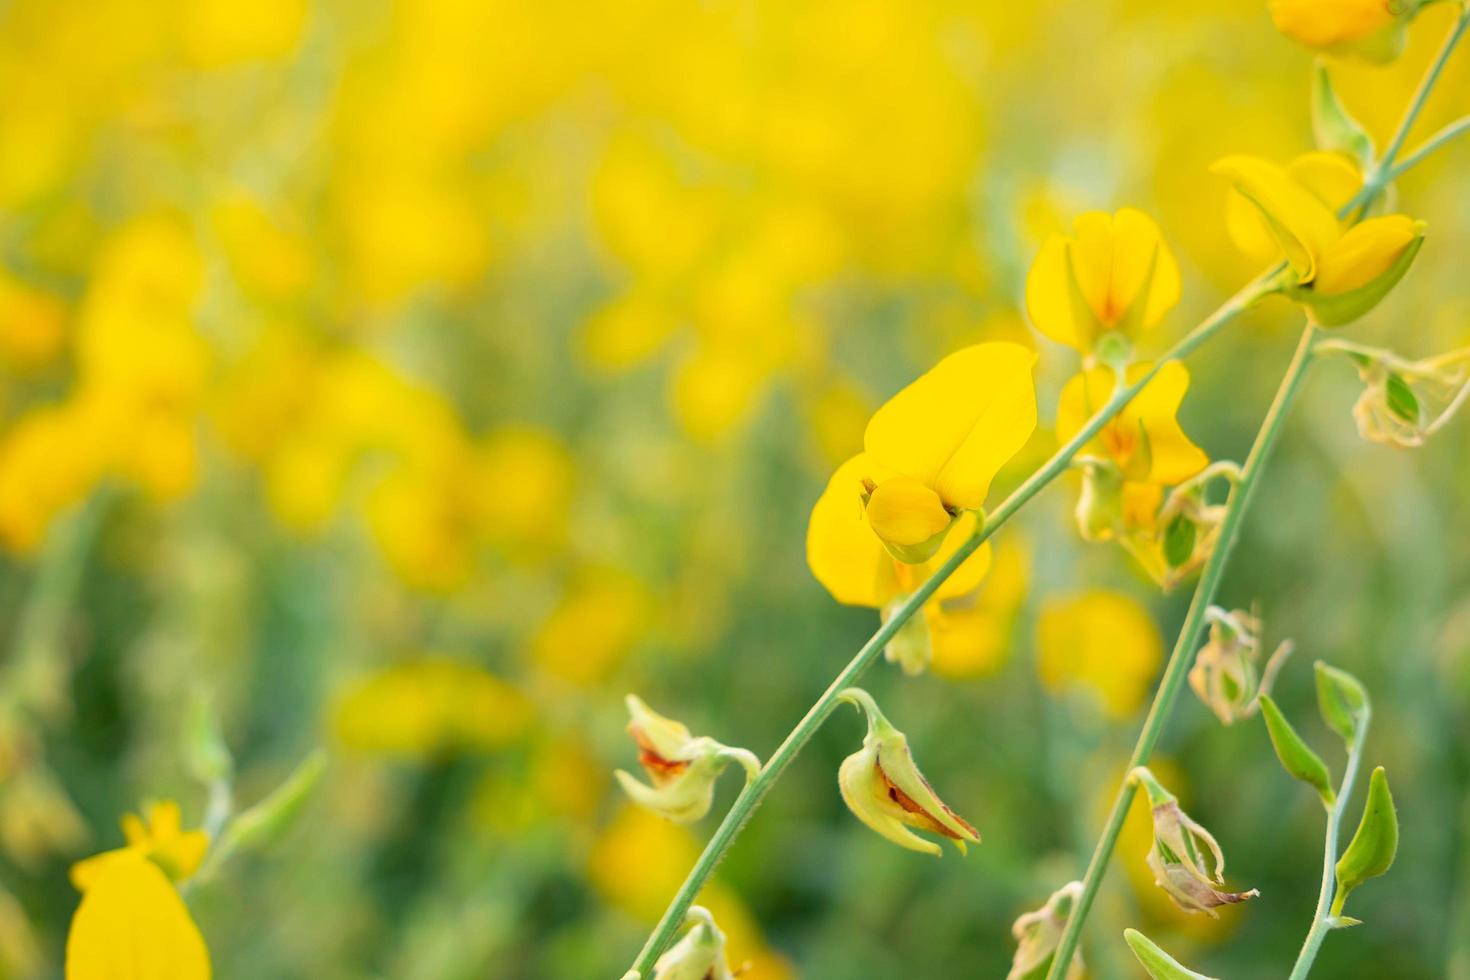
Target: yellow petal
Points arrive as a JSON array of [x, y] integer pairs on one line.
[[1091, 254], [1333, 178], [972, 570], [1080, 399], [842, 550], [905, 512], [1050, 297], [132, 925], [1328, 23], [1174, 457], [956, 426], [1141, 261], [1301, 224], [1366, 252], [1101, 641]]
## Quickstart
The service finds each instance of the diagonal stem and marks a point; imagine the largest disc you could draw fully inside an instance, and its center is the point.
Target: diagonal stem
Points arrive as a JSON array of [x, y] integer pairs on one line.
[[755, 791], [1194, 622]]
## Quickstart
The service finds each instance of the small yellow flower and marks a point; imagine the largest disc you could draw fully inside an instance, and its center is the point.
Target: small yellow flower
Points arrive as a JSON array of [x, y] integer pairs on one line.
[[885, 790], [700, 955], [682, 768], [1291, 212], [1369, 29], [1144, 440], [1103, 641], [132, 925], [159, 837], [1114, 273]]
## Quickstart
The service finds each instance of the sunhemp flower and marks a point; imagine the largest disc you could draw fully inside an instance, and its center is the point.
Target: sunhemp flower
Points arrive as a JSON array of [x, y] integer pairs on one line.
[[885, 790], [1113, 275], [1038, 933], [700, 955], [1185, 857], [893, 514], [159, 837], [132, 924], [1338, 272], [1372, 30], [1227, 675], [1143, 445], [682, 768]]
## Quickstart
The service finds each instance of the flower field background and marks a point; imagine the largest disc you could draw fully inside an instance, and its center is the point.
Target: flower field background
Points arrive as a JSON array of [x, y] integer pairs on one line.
[[396, 386]]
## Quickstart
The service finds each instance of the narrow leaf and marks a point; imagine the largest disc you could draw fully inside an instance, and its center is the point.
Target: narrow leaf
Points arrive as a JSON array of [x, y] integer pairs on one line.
[[1374, 845], [268, 820], [1159, 964], [1296, 756], [1401, 399], [1341, 699], [1332, 126]]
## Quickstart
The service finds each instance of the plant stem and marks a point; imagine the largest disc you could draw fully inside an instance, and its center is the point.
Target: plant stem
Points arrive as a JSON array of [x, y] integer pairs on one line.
[[755, 791], [1194, 622], [1430, 145], [1322, 920]]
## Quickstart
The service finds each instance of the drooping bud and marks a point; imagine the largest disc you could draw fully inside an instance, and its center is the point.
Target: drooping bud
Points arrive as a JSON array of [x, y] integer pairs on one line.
[[1227, 674], [1185, 857], [682, 768], [908, 517], [885, 790], [1038, 933], [700, 955]]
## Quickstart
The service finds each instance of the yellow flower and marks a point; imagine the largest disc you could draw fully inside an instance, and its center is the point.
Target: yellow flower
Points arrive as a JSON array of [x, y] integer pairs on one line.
[[1291, 212], [884, 789], [682, 768], [1114, 273], [1104, 641], [1145, 439], [160, 838], [1370, 29], [930, 452], [132, 925]]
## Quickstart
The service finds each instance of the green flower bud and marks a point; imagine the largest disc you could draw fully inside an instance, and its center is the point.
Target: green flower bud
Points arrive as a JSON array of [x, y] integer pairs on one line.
[[1185, 857], [885, 790], [1159, 964], [1297, 758], [1374, 846], [683, 769], [1342, 701], [1100, 505], [700, 955]]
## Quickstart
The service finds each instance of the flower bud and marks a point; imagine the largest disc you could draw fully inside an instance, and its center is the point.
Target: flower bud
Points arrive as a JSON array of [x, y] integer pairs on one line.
[[700, 955], [1185, 858], [682, 768], [908, 517], [885, 790], [1372, 30], [1226, 675], [1360, 268], [1038, 933], [1100, 505]]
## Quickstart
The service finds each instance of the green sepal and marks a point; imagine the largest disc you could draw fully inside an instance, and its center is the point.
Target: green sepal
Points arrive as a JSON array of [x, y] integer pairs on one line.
[[1332, 126], [1343, 308], [1373, 847], [1401, 399], [1179, 540], [1296, 756], [1159, 964], [1342, 700]]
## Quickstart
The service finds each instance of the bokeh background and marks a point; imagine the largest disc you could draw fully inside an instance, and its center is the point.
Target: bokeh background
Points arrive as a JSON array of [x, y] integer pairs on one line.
[[412, 380]]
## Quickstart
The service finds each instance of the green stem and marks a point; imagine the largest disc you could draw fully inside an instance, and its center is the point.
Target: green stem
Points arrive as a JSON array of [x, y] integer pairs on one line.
[[1178, 665], [755, 791], [1434, 142], [1322, 920]]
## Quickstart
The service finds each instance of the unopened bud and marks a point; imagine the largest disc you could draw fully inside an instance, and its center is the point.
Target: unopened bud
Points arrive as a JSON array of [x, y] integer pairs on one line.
[[1359, 269], [700, 955], [1100, 505], [1185, 857], [908, 517], [885, 790]]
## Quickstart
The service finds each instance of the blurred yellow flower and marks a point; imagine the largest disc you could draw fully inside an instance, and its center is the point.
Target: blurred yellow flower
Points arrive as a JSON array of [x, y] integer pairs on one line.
[[158, 836], [971, 633], [132, 925], [216, 33], [1369, 29], [1113, 273], [1104, 642], [593, 627], [430, 705], [32, 325]]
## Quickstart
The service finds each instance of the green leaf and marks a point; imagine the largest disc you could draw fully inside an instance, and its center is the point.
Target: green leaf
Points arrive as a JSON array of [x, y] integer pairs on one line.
[[1297, 758], [1332, 126], [1159, 964], [1179, 538], [1342, 700], [267, 820], [1401, 399], [1374, 845]]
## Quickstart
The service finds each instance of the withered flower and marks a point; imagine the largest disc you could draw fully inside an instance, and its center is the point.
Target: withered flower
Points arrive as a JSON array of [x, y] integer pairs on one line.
[[1185, 857], [682, 768], [1226, 674]]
